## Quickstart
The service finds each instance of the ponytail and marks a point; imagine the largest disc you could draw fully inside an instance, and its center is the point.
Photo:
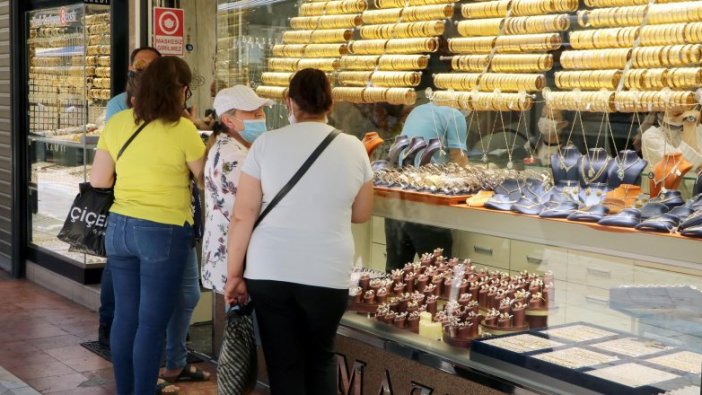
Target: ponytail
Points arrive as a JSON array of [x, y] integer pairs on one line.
[[217, 128]]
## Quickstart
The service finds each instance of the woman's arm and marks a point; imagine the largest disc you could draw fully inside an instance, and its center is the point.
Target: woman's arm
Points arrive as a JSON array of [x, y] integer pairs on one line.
[[362, 204], [102, 174], [196, 167], [246, 210]]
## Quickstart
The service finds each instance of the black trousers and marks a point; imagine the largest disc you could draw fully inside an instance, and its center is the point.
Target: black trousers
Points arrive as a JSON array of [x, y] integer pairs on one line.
[[405, 239], [297, 324]]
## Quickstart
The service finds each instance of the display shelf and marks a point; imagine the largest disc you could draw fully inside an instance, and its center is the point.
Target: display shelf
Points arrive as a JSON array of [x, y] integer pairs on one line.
[[62, 142], [676, 251]]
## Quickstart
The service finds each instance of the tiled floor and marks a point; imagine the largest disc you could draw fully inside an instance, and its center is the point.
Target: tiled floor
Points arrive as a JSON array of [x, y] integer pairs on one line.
[[40, 336]]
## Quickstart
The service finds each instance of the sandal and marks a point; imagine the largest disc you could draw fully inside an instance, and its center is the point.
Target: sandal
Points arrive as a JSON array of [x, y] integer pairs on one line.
[[189, 373], [164, 387]]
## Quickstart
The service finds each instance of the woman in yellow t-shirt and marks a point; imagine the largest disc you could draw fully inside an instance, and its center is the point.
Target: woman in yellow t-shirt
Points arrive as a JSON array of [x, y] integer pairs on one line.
[[149, 229]]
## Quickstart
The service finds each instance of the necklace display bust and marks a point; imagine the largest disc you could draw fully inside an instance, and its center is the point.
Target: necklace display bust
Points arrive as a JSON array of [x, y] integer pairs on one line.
[[593, 166], [564, 164], [668, 173], [626, 168]]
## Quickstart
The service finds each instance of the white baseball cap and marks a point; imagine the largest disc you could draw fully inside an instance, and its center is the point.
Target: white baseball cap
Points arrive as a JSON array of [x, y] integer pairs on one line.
[[238, 97]]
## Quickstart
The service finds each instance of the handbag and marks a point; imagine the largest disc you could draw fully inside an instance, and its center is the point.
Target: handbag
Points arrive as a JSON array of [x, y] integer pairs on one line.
[[237, 366], [86, 222]]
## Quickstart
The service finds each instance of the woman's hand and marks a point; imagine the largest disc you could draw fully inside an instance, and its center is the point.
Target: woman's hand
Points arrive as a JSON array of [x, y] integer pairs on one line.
[[235, 291]]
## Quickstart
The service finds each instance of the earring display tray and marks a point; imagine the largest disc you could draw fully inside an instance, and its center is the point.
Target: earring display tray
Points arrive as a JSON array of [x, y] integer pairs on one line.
[[595, 358], [422, 197]]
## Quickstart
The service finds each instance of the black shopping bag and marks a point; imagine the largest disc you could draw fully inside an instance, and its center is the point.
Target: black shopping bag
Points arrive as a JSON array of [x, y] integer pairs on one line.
[[85, 225], [237, 366]]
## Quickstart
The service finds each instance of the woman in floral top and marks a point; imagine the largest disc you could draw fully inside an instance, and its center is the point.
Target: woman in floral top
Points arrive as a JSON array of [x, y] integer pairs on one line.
[[241, 120]]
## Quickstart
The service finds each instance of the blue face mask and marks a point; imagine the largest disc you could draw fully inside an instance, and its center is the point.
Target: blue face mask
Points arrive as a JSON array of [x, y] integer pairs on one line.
[[252, 129]]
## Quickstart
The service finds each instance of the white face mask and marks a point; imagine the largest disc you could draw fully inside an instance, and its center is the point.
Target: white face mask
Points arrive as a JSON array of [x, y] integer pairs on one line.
[[548, 128]]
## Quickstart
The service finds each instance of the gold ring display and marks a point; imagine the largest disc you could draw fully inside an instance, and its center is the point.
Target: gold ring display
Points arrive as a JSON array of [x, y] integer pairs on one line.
[[595, 59], [317, 36], [588, 80], [480, 27], [403, 30], [363, 62], [471, 45], [325, 22], [541, 7], [637, 101], [619, 37], [407, 14], [528, 43], [663, 34], [613, 17], [272, 92], [403, 62], [457, 81], [599, 101], [675, 13], [354, 78], [613, 3], [404, 3], [488, 9], [537, 24], [324, 64], [333, 7], [276, 78]]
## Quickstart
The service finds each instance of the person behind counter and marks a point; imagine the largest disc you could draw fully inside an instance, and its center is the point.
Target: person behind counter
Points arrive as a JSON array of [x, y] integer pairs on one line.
[[139, 59], [406, 239], [677, 131]]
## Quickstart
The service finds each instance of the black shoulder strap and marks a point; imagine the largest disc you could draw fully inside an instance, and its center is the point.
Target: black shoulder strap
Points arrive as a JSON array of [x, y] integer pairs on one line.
[[131, 138], [298, 175]]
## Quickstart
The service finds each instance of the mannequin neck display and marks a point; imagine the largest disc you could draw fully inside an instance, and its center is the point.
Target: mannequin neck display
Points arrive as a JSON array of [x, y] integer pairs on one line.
[[593, 194], [564, 164], [623, 196], [626, 168], [697, 189], [668, 173], [593, 166]]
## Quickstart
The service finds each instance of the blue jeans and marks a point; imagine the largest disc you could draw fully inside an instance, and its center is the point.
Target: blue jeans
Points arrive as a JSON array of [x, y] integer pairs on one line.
[[147, 261], [178, 326]]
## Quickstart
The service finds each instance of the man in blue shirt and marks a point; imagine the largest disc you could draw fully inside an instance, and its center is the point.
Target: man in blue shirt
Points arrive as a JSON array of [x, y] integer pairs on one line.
[[405, 239], [138, 60]]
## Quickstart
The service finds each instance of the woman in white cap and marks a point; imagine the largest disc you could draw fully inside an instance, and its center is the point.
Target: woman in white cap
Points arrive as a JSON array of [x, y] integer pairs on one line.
[[240, 119]]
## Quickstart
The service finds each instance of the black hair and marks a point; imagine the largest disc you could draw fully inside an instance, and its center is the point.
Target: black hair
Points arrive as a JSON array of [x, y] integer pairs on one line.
[[311, 91], [137, 50]]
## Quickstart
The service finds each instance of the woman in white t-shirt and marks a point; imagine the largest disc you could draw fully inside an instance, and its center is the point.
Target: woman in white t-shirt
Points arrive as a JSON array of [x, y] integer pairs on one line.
[[299, 258], [240, 121]]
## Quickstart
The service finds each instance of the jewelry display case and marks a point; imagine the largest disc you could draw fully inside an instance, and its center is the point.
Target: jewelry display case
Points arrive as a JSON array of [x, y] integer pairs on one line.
[[69, 65], [578, 216]]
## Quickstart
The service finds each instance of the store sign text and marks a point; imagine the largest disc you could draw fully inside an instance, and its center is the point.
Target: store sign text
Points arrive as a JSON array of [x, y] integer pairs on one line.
[[351, 383], [64, 17]]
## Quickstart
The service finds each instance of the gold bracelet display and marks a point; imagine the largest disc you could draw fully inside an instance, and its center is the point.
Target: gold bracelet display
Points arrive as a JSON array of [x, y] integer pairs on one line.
[[668, 56], [693, 32], [685, 78], [512, 82], [403, 30], [663, 34], [476, 63], [541, 7], [637, 101], [595, 59], [480, 101], [394, 46], [310, 50], [404, 3], [393, 79], [276, 78], [283, 64], [675, 13], [618, 37], [600, 101], [449, 99], [613, 17], [471, 44], [407, 14], [272, 92], [456, 81], [354, 78], [646, 79], [317, 36], [325, 22], [613, 3], [403, 62], [363, 62], [528, 43], [588, 80], [324, 64], [488, 9], [333, 7], [480, 27], [405, 96], [537, 24], [522, 63]]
